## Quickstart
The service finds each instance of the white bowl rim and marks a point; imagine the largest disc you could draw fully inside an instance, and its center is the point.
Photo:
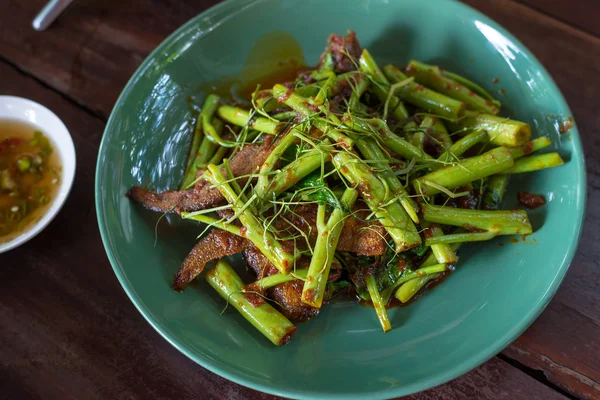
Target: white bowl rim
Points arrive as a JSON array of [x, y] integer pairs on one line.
[[29, 111]]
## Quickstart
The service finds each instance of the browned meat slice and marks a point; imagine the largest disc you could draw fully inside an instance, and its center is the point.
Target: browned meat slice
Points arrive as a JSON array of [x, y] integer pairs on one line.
[[202, 196], [287, 296], [358, 236], [345, 51], [215, 245], [361, 237], [177, 200]]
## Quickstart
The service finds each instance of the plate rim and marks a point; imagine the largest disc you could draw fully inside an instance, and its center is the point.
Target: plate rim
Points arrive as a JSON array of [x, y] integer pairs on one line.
[[237, 6]]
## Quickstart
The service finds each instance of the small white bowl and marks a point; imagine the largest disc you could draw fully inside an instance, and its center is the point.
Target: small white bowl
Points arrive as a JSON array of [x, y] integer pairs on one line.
[[20, 109]]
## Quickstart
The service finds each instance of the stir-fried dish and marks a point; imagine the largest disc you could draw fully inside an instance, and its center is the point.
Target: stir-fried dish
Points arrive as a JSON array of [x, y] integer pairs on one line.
[[29, 177], [352, 179]]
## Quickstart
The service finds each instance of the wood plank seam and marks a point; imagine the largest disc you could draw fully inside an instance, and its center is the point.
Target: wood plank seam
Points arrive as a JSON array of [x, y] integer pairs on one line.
[[561, 21], [87, 110], [537, 374]]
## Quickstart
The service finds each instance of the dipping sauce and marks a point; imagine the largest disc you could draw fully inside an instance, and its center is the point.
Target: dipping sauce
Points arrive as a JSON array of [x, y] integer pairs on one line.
[[30, 174]]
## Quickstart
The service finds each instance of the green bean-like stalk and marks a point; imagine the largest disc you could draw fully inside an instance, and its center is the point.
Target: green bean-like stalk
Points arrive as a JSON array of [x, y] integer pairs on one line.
[[435, 127], [201, 217], [429, 268], [496, 184], [292, 173], [275, 279], [385, 135], [479, 222], [442, 252], [219, 155], [263, 100], [422, 97], [502, 131], [240, 117], [328, 234], [202, 158], [468, 170], [474, 87], [208, 110], [432, 77], [303, 106], [462, 238], [264, 317], [285, 116], [381, 86], [410, 288], [210, 132], [494, 191], [263, 178], [372, 152], [462, 145], [253, 230], [378, 303], [418, 139], [426, 270], [326, 67], [536, 163], [362, 84], [528, 148], [374, 192], [325, 90]]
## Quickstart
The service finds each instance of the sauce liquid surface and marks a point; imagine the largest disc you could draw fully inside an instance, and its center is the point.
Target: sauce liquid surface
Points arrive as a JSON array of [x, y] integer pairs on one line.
[[276, 57], [30, 174]]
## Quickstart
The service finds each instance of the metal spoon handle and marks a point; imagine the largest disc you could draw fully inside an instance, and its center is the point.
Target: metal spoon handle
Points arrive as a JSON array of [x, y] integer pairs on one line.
[[49, 13]]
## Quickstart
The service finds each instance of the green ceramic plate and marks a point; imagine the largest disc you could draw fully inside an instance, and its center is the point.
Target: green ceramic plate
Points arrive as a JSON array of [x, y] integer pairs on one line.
[[496, 292]]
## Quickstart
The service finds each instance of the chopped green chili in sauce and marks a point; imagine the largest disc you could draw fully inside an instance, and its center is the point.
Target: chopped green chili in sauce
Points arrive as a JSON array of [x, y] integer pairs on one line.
[[30, 174]]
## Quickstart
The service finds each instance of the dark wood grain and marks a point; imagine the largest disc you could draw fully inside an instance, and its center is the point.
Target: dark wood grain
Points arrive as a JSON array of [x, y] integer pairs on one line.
[[493, 380], [65, 336], [563, 342], [94, 44], [583, 14], [72, 338]]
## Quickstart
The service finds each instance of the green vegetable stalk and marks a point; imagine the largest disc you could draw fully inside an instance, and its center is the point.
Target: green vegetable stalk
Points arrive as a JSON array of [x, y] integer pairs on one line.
[[240, 117], [497, 184], [433, 77], [378, 303], [275, 279], [422, 97], [373, 153], [263, 179], [468, 170], [536, 163], [292, 173], [381, 86], [328, 234], [266, 319], [461, 146], [253, 230], [303, 106], [424, 270], [208, 110], [494, 191], [484, 225], [443, 253], [380, 131], [373, 191], [203, 156], [502, 131], [435, 127], [410, 288]]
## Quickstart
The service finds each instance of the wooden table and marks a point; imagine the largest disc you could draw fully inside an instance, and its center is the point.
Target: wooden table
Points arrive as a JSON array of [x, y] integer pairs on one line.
[[68, 329]]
